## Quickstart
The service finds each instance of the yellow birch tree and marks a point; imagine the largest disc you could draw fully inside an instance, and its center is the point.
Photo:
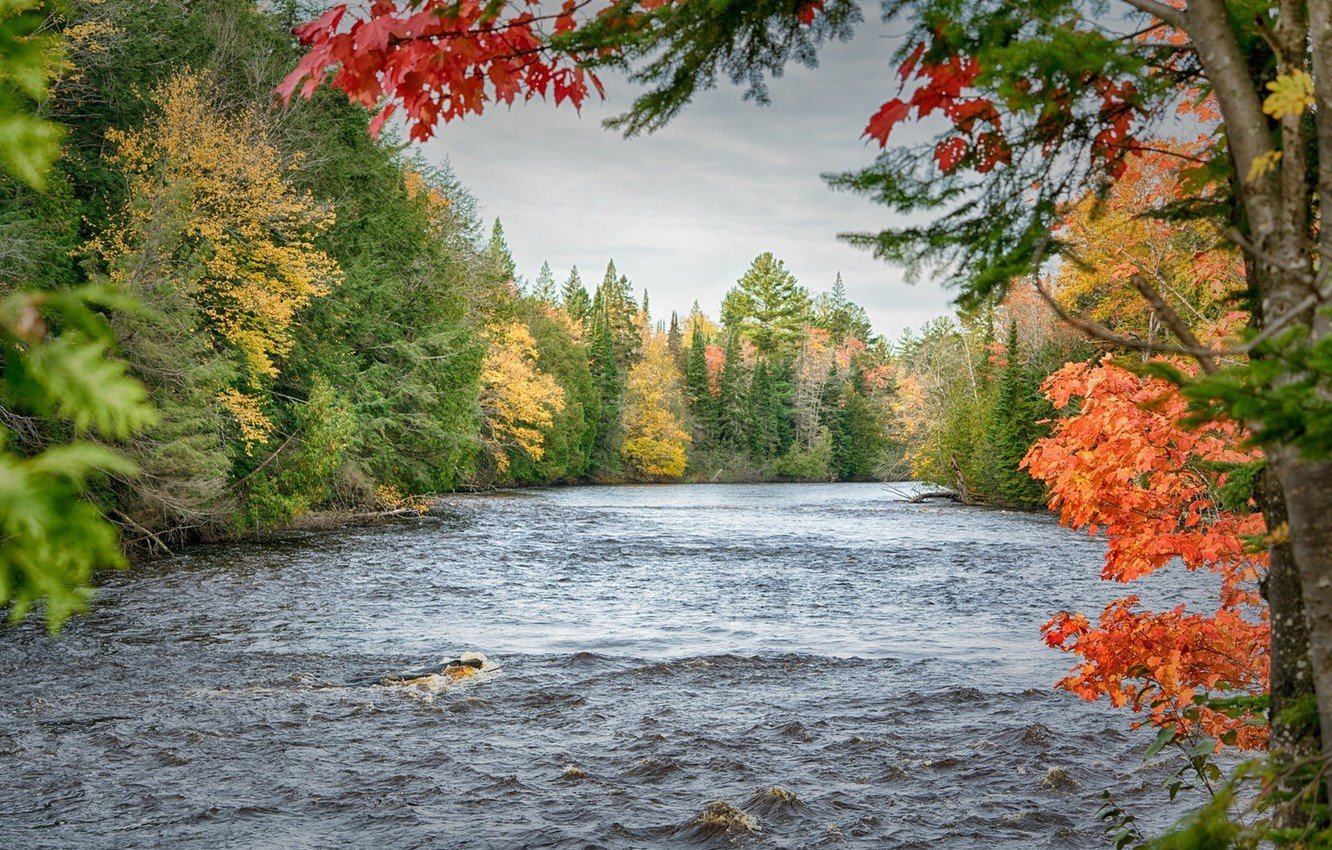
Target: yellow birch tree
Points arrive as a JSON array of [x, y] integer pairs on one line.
[[654, 442], [519, 402]]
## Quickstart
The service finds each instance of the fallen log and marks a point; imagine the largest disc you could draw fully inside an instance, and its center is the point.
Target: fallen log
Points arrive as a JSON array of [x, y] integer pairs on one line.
[[935, 494]]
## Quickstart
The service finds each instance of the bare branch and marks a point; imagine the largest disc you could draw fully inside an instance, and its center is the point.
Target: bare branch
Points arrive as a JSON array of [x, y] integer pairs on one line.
[[1167, 313], [1204, 356]]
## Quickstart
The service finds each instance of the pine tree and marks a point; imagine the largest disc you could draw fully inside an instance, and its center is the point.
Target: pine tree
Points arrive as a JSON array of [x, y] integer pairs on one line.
[[842, 318], [859, 437], [760, 434], [610, 387], [577, 303], [614, 301], [1012, 432], [767, 306], [544, 288]]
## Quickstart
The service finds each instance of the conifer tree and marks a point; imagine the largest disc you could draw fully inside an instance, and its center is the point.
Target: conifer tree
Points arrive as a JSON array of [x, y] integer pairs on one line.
[[610, 386], [544, 287], [675, 342], [767, 306], [760, 433], [1012, 431], [698, 393], [499, 256], [858, 436], [730, 404], [842, 318], [577, 303]]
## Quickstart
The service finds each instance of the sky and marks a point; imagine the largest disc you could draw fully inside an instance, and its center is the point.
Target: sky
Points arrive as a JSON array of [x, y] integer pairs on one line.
[[684, 211]]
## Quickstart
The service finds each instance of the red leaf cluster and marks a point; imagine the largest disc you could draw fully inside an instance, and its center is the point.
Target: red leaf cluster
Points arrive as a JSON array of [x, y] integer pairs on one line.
[[942, 88], [1124, 464], [438, 59], [945, 83]]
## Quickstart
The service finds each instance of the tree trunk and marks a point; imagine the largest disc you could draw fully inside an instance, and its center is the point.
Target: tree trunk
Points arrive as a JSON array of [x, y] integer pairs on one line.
[[1292, 738], [1308, 490]]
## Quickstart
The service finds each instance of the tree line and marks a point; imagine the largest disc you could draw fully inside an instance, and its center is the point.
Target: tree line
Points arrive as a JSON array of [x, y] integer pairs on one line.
[[289, 315]]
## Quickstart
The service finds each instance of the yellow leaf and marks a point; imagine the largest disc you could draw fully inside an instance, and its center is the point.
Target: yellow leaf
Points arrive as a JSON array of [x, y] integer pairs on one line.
[[1291, 94], [1262, 164]]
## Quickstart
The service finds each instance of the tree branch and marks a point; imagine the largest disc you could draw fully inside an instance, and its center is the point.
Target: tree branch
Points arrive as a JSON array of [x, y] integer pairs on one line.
[[1169, 14], [1205, 357]]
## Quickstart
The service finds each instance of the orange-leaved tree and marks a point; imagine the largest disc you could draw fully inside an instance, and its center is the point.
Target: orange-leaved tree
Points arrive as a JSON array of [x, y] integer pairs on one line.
[[1124, 464], [1110, 237]]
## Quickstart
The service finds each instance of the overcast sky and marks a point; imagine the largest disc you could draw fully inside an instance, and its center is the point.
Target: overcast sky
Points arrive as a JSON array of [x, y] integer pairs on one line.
[[684, 211]]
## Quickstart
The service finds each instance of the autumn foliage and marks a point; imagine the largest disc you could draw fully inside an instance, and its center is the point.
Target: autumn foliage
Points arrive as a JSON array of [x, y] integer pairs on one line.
[[439, 59], [518, 400], [655, 438], [233, 220], [1124, 465]]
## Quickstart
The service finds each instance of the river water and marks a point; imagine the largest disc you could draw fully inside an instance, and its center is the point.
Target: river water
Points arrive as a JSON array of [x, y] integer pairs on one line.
[[661, 648]]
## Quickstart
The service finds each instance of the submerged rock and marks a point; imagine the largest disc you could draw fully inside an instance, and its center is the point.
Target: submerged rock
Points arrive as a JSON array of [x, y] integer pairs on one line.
[[1057, 779], [720, 819]]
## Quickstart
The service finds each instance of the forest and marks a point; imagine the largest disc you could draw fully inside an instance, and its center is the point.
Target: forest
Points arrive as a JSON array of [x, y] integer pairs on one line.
[[233, 297], [340, 331]]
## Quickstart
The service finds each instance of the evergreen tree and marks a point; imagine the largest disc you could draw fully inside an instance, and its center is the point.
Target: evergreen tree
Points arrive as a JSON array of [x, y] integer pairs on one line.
[[499, 257], [767, 306], [1012, 431], [859, 438], [760, 431], [544, 288], [610, 389], [614, 301], [675, 342], [730, 405], [577, 303], [698, 394], [770, 430], [842, 318]]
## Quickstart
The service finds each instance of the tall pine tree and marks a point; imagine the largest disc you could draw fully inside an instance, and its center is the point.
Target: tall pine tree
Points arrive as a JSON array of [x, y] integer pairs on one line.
[[698, 392], [768, 307], [577, 303]]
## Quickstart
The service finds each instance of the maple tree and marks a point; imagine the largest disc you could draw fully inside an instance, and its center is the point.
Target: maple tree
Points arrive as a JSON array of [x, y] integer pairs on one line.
[[1123, 464], [1108, 239], [440, 59]]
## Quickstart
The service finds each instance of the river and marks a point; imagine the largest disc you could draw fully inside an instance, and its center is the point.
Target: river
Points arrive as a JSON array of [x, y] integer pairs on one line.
[[661, 648]]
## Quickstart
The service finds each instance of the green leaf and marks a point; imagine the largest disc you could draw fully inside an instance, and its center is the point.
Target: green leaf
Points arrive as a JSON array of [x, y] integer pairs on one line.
[[1164, 737]]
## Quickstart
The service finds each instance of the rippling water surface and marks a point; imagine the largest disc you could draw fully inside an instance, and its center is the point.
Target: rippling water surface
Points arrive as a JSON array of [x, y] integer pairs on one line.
[[662, 648]]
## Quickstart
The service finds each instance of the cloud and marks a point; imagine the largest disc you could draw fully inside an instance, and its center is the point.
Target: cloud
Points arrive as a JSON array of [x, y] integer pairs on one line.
[[684, 211]]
